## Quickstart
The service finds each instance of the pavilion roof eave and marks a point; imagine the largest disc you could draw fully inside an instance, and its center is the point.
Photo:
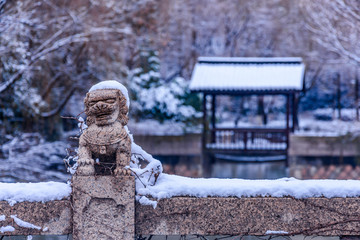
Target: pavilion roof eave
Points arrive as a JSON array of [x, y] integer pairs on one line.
[[248, 76], [239, 92]]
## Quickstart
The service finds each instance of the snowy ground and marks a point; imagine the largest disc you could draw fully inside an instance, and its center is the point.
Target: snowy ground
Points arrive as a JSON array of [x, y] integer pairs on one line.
[[333, 128], [322, 122]]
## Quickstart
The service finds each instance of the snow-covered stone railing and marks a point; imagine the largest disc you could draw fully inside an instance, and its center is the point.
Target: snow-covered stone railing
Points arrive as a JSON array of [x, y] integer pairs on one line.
[[250, 207], [183, 206], [35, 208]]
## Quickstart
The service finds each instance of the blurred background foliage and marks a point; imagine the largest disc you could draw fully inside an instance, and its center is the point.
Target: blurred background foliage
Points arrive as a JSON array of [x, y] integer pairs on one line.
[[51, 52]]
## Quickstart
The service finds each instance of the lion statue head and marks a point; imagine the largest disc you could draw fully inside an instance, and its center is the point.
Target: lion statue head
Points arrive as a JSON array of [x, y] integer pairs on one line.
[[105, 106]]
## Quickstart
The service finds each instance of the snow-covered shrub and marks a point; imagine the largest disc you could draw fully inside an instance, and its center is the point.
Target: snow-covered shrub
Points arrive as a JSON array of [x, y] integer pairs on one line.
[[155, 98], [28, 157], [324, 114], [328, 114]]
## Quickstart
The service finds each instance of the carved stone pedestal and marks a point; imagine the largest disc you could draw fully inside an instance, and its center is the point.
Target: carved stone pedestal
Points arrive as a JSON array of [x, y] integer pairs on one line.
[[103, 207]]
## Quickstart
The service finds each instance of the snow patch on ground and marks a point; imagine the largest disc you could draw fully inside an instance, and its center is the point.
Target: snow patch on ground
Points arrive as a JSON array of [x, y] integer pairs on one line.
[[7, 229], [334, 128], [317, 123], [268, 232], [347, 114], [22, 223], [169, 186], [34, 192], [2, 217]]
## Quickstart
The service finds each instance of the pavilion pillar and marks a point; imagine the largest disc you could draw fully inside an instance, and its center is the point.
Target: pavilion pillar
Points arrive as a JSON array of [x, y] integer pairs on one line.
[[287, 112], [205, 156], [213, 117], [204, 122], [287, 126], [294, 107]]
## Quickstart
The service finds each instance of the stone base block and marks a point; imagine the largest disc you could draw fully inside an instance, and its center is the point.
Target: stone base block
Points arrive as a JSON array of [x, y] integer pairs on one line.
[[103, 207]]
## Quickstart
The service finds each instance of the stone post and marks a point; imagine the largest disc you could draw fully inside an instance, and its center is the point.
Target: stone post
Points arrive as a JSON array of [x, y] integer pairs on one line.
[[103, 194], [103, 207]]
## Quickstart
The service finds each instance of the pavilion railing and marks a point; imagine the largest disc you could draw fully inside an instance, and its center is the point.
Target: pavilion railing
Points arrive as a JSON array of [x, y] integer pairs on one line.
[[248, 139]]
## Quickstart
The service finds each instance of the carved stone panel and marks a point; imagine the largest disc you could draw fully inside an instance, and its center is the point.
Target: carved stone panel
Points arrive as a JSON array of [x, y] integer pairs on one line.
[[104, 207]]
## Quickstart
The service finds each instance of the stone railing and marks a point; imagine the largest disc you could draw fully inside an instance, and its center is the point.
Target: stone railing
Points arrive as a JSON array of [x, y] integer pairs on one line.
[[104, 207]]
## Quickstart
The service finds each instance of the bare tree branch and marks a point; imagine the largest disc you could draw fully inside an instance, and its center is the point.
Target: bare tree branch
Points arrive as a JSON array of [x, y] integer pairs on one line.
[[60, 106], [335, 26]]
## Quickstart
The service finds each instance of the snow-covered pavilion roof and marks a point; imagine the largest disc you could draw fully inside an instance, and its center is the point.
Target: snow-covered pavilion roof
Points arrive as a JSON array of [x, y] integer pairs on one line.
[[226, 74]]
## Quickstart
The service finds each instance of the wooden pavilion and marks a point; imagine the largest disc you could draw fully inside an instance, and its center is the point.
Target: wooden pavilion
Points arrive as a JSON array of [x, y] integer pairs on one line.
[[215, 76]]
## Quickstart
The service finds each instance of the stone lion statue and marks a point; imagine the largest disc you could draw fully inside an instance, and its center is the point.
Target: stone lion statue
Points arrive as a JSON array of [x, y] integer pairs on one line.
[[105, 146]]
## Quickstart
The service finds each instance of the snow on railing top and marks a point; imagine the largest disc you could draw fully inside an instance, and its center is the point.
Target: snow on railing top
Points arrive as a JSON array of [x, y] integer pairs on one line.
[[34, 192], [169, 186]]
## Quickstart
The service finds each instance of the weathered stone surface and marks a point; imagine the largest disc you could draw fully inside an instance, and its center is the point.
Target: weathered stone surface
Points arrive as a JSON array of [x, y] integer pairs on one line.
[[250, 216], [53, 218], [104, 207], [105, 139]]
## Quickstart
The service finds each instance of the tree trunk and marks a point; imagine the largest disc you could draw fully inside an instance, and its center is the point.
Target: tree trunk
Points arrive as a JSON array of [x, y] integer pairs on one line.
[[357, 96], [261, 109], [338, 95]]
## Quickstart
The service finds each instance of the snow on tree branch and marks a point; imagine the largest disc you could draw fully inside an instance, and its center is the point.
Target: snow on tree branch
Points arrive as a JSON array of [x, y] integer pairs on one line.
[[335, 26]]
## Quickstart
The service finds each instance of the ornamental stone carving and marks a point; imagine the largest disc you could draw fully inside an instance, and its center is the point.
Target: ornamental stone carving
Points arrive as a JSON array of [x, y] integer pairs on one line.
[[105, 146]]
